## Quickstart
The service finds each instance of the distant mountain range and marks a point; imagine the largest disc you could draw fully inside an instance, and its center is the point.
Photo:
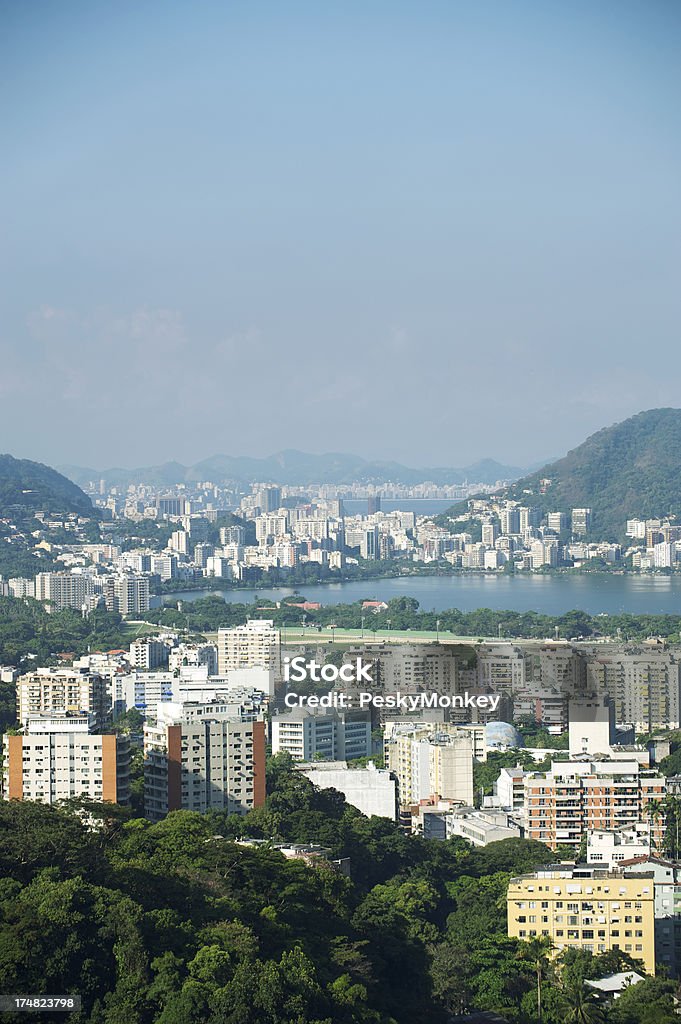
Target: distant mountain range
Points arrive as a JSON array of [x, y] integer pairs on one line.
[[293, 467], [629, 470], [35, 486]]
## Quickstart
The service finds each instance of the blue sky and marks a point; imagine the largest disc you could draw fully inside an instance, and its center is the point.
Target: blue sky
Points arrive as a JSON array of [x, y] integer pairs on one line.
[[424, 231]]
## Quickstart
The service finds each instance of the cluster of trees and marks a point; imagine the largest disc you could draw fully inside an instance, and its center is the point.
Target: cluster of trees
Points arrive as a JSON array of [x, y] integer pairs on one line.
[[28, 633], [174, 923], [403, 613]]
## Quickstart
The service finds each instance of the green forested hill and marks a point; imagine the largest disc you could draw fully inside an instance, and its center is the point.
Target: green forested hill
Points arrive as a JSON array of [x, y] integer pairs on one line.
[[35, 486], [175, 923], [632, 469]]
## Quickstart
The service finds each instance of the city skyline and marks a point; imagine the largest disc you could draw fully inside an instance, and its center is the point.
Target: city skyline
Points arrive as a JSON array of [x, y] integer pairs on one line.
[[440, 235]]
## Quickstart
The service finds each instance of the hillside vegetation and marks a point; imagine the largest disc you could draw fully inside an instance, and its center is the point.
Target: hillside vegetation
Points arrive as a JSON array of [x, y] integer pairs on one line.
[[627, 471], [632, 469], [174, 923], [35, 486]]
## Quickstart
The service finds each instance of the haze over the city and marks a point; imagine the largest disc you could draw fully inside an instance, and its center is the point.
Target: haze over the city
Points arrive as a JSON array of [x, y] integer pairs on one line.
[[430, 233]]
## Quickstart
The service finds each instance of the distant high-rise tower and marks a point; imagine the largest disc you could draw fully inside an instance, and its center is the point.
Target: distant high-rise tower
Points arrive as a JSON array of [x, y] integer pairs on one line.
[[373, 504], [268, 499], [581, 521]]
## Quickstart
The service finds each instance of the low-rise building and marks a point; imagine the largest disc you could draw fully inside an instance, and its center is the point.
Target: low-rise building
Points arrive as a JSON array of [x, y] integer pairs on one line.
[[480, 827], [608, 848], [372, 790]]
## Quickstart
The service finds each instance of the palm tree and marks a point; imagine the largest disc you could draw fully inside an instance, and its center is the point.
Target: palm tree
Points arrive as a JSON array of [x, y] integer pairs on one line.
[[536, 951], [581, 1007]]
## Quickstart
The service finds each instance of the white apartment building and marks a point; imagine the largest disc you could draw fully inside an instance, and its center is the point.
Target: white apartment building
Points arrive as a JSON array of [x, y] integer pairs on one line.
[[645, 686], [164, 566], [509, 789], [411, 668], [65, 590], [199, 757], [591, 726], [127, 594], [306, 733], [149, 653], [193, 655], [428, 762], [21, 587], [257, 644], [608, 848], [179, 542], [143, 691], [218, 566], [58, 758], [664, 555]]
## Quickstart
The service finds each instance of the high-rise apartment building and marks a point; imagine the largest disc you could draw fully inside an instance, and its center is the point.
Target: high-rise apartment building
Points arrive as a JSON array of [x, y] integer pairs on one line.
[[510, 520], [127, 594], [333, 735], [431, 760], [254, 645], [62, 690], [645, 686], [268, 499], [64, 590], [576, 796], [200, 757], [557, 521], [581, 521], [232, 535], [58, 757]]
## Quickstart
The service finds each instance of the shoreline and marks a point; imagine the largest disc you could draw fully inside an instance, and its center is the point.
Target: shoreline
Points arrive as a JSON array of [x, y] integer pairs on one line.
[[462, 573]]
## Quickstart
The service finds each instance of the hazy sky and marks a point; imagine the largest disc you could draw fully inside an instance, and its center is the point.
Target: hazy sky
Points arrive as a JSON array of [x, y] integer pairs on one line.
[[429, 231]]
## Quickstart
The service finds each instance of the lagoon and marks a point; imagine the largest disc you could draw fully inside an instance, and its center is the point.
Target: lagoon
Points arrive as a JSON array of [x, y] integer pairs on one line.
[[594, 593]]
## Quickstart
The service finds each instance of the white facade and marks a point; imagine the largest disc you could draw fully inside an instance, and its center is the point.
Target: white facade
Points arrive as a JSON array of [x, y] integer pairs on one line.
[[591, 726], [64, 589], [143, 691], [610, 848], [194, 654], [480, 827], [431, 760], [148, 653], [510, 788], [256, 644], [333, 735], [49, 763], [200, 757], [371, 790]]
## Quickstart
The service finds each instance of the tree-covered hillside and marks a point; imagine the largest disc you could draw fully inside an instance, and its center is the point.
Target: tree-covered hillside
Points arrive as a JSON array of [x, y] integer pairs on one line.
[[35, 486], [174, 923], [630, 470]]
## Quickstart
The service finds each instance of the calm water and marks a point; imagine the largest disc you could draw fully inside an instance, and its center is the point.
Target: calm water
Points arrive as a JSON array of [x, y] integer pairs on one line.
[[553, 595]]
